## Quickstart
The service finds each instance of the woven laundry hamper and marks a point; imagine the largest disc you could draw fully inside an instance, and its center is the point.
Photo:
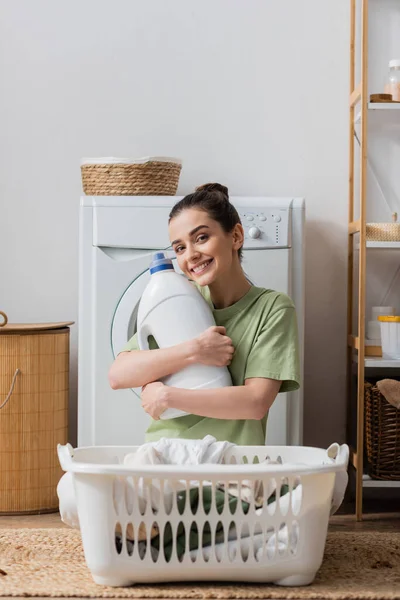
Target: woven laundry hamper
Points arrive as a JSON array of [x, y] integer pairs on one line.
[[382, 435], [150, 176], [34, 388]]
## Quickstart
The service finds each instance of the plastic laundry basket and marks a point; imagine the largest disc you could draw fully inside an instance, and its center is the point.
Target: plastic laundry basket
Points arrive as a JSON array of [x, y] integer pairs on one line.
[[282, 541]]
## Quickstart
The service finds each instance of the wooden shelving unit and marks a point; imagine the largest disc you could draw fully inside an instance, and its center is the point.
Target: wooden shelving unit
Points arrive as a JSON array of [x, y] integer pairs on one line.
[[361, 111]]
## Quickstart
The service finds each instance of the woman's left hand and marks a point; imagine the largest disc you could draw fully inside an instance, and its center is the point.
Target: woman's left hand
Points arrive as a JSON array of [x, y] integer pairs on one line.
[[154, 399]]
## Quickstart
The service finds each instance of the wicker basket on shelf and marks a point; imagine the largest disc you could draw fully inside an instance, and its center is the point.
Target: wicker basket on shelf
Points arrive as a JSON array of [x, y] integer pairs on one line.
[[382, 435], [383, 232], [152, 176]]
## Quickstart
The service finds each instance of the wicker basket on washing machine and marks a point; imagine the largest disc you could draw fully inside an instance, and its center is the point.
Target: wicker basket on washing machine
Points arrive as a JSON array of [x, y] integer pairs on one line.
[[150, 176]]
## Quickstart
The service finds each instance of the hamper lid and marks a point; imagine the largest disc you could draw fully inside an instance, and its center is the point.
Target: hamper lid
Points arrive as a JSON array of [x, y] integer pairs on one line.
[[389, 319], [15, 327]]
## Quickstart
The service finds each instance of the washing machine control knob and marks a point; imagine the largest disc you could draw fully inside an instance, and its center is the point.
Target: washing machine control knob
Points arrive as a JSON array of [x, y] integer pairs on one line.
[[254, 233]]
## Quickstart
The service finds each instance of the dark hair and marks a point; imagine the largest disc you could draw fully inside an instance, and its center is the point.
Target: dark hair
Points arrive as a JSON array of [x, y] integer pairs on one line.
[[213, 198]]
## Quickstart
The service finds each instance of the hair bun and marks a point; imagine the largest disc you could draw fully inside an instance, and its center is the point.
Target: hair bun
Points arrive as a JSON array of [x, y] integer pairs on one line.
[[214, 187]]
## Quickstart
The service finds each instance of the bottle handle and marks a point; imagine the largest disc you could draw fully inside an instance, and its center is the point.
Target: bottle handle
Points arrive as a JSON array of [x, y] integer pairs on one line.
[[142, 336]]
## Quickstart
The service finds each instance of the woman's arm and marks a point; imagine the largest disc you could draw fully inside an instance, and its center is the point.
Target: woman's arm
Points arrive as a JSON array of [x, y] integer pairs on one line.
[[137, 368], [249, 401]]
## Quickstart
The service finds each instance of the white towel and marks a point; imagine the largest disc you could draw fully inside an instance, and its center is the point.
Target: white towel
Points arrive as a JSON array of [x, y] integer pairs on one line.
[[177, 451], [173, 452]]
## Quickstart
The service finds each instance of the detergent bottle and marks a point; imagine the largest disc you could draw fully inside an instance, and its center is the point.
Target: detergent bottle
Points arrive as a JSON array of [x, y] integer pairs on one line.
[[172, 310]]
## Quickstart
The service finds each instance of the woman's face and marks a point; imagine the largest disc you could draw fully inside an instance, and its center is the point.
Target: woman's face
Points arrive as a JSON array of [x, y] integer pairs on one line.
[[203, 249]]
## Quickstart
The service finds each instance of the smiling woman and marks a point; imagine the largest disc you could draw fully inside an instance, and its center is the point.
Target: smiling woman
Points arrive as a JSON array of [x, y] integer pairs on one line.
[[255, 336], [208, 244]]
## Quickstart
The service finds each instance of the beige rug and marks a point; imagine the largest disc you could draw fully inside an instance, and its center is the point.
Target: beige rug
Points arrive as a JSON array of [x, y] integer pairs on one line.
[[50, 562]]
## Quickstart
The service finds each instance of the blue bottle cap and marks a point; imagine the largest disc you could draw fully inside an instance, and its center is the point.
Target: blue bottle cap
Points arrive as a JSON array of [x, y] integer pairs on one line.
[[160, 263]]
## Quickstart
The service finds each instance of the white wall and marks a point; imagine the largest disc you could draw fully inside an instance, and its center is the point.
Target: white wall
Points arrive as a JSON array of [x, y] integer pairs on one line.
[[252, 94]]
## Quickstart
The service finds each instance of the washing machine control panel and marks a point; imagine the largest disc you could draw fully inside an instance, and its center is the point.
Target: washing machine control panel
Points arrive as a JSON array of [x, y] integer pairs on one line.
[[265, 228], [266, 223]]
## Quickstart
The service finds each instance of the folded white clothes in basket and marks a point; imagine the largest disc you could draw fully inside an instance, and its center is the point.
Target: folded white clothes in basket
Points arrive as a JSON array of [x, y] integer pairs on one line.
[[178, 451], [181, 452], [168, 451]]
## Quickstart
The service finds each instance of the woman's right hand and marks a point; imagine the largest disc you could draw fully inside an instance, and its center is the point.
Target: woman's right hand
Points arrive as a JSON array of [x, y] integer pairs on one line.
[[213, 347]]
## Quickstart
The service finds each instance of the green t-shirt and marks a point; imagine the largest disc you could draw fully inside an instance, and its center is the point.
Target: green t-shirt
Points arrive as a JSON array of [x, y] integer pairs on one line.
[[263, 328]]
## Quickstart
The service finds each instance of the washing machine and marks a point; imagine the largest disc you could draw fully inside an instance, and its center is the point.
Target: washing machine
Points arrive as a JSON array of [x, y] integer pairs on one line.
[[118, 236]]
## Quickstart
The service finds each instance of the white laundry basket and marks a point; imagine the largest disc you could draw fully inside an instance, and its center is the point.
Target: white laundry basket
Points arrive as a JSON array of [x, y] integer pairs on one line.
[[282, 541]]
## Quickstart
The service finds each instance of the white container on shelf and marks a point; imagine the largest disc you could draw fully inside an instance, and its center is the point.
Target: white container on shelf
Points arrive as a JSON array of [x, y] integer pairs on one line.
[[374, 331], [378, 311], [390, 334], [373, 327]]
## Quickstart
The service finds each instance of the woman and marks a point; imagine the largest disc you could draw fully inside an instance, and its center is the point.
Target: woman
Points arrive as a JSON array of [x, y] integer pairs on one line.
[[255, 334]]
